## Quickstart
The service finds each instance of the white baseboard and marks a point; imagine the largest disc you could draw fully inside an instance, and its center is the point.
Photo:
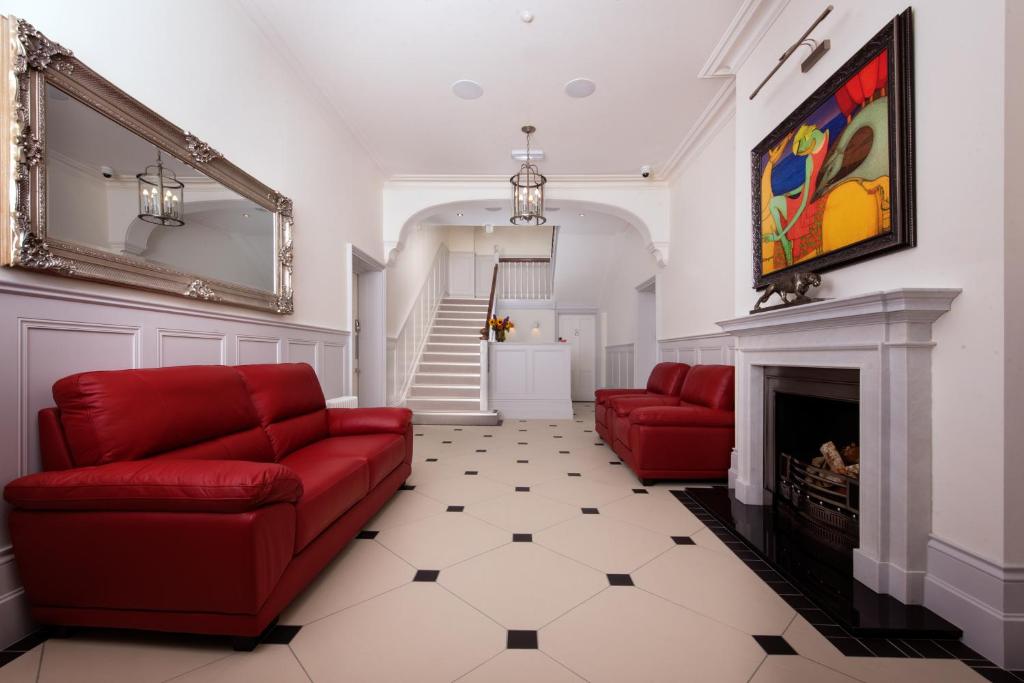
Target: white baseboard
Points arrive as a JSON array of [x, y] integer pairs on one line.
[[15, 623], [983, 598]]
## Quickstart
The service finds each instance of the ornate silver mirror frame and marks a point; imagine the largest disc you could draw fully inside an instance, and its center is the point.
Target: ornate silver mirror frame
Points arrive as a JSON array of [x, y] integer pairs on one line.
[[31, 61]]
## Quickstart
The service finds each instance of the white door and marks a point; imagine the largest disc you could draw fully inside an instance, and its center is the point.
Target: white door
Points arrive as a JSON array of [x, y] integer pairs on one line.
[[581, 332]]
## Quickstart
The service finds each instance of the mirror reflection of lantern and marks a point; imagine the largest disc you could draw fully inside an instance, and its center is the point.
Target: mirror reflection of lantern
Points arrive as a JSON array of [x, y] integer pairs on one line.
[[161, 195]]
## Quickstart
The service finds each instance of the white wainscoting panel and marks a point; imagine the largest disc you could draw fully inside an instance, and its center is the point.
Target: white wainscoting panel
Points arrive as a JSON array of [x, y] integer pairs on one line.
[[53, 332], [619, 365], [701, 349], [530, 381], [188, 347], [256, 350]]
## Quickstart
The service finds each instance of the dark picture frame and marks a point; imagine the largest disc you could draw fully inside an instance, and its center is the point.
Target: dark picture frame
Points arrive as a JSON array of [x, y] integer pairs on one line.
[[800, 198]]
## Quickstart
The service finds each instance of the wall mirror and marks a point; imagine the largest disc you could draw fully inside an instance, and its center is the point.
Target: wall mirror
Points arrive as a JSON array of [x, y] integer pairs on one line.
[[105, 189]]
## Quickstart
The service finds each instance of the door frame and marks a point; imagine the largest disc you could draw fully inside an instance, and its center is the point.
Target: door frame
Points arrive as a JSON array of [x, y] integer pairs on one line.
[[372, 305]]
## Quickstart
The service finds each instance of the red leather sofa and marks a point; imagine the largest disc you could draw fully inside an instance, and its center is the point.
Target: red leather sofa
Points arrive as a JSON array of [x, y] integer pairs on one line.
[[686, 437], [665, 380], [196, 499]]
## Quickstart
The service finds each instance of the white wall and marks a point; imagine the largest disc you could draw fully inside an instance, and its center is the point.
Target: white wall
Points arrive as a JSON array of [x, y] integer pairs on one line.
[[696, 288], [630, 265], [524, 318], [960, 217], [231, 89], [407, 273]]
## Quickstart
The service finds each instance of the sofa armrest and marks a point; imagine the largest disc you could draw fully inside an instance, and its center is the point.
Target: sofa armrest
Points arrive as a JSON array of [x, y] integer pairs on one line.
[[161, 485], [601, 396], [624, 405], [349, 421], [682, 416]]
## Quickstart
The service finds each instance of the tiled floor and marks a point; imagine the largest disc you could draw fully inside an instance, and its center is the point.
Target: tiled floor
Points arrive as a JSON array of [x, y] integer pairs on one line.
[[501, 564]]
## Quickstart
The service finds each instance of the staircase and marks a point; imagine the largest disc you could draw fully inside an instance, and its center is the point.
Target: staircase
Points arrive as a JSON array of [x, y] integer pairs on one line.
[[446, 387]]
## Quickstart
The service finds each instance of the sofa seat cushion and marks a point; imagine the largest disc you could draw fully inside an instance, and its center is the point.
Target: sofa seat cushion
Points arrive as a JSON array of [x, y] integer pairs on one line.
[[332, 483], [601, 396], [382, 453], [622, 406]]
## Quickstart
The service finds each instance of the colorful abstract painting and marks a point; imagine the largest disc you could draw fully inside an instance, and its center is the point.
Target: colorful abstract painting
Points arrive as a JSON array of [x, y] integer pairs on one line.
[[833, 183]]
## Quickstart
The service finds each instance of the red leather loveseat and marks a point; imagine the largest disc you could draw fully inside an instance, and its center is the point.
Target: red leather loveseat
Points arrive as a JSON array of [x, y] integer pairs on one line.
[[196, 499], [665, 380], [687, 437]]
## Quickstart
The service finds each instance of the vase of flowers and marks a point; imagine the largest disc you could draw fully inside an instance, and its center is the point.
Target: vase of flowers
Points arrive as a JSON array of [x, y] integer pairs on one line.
[[500, 326]]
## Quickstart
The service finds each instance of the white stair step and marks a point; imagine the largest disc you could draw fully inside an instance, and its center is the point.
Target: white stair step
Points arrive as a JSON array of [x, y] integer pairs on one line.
[[462, 378], [450, 357], [442, 404], [429, 367], [464, 417], [460, 317], [463, 300], [458, 347], [464, 308], [455, 329], [449, 337], [444, 391]]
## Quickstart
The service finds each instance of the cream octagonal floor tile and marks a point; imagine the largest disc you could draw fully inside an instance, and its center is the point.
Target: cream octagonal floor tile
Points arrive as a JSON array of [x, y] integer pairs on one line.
[[538, 470], [522, 585], [582, 491], [274, 663], [806, 640], [362, 570], [790, 669], [707, 582], [24, 669], [404, 507], [463, 490], [419, 632], [525, 512], [661, 514], [517, 666], [605, 544], [625, 634], [616, 475], [442, 540], [138, 658]]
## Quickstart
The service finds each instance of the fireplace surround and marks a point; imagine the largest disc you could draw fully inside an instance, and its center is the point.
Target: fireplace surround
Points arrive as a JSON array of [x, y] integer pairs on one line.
[[886, 338]]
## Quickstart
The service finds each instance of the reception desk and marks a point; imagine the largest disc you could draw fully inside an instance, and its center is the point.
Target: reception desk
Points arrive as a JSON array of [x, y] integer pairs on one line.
[[530, 381]]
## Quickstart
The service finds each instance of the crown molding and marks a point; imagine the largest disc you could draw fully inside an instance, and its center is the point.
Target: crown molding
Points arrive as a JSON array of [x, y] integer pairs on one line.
[[491, 179], [744, 32], [719, 111]]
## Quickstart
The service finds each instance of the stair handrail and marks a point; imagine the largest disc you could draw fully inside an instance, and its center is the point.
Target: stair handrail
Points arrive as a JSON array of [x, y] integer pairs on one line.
[[412, 336], [486, 330]]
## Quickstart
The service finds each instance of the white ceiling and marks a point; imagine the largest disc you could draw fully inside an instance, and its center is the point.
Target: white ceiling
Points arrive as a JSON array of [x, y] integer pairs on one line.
[[387, 67], [570, 217]]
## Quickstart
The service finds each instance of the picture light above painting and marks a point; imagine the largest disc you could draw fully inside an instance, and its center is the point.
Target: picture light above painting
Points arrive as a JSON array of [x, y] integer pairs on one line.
[[834, 182], [100, 187]]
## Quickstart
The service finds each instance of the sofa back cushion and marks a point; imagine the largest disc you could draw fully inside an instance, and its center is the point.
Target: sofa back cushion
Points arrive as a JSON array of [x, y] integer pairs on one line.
[[711, 386], [289, 403], [666, 378], [198, 411]]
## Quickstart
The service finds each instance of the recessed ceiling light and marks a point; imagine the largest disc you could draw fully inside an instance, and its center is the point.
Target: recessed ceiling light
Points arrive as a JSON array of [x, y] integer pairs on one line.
[[459, 214], [580, 87], [245, 215], [467, 90], [526, 16], [581, 215]]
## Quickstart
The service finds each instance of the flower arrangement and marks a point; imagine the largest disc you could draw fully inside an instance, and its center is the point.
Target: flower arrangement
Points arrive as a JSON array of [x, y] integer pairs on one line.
[[500, 327]]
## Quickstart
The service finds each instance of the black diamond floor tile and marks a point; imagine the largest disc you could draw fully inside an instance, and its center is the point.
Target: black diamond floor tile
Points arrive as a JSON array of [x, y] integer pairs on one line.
[[575, 474], [774, 645], [522, 538], [406, 487], [426, 575], [522, 640], [590, 511], [683, 540], [641, 491], [456, 508], [471, 472], [367, 535], [431, 459], [522, 489], [620, 580]]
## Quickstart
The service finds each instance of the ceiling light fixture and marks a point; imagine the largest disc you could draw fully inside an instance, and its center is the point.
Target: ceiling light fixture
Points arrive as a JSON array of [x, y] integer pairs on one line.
[[161, 195], [580, 87], [459, 214], [528, 190], [467, 90]]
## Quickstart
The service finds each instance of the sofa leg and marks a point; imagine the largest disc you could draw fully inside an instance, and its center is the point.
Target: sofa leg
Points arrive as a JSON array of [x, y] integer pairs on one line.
[[60, 632], [249, 643], [648, 482]]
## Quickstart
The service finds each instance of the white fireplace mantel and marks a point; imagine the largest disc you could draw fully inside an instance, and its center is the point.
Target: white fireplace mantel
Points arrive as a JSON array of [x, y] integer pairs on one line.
[[887, 336]]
